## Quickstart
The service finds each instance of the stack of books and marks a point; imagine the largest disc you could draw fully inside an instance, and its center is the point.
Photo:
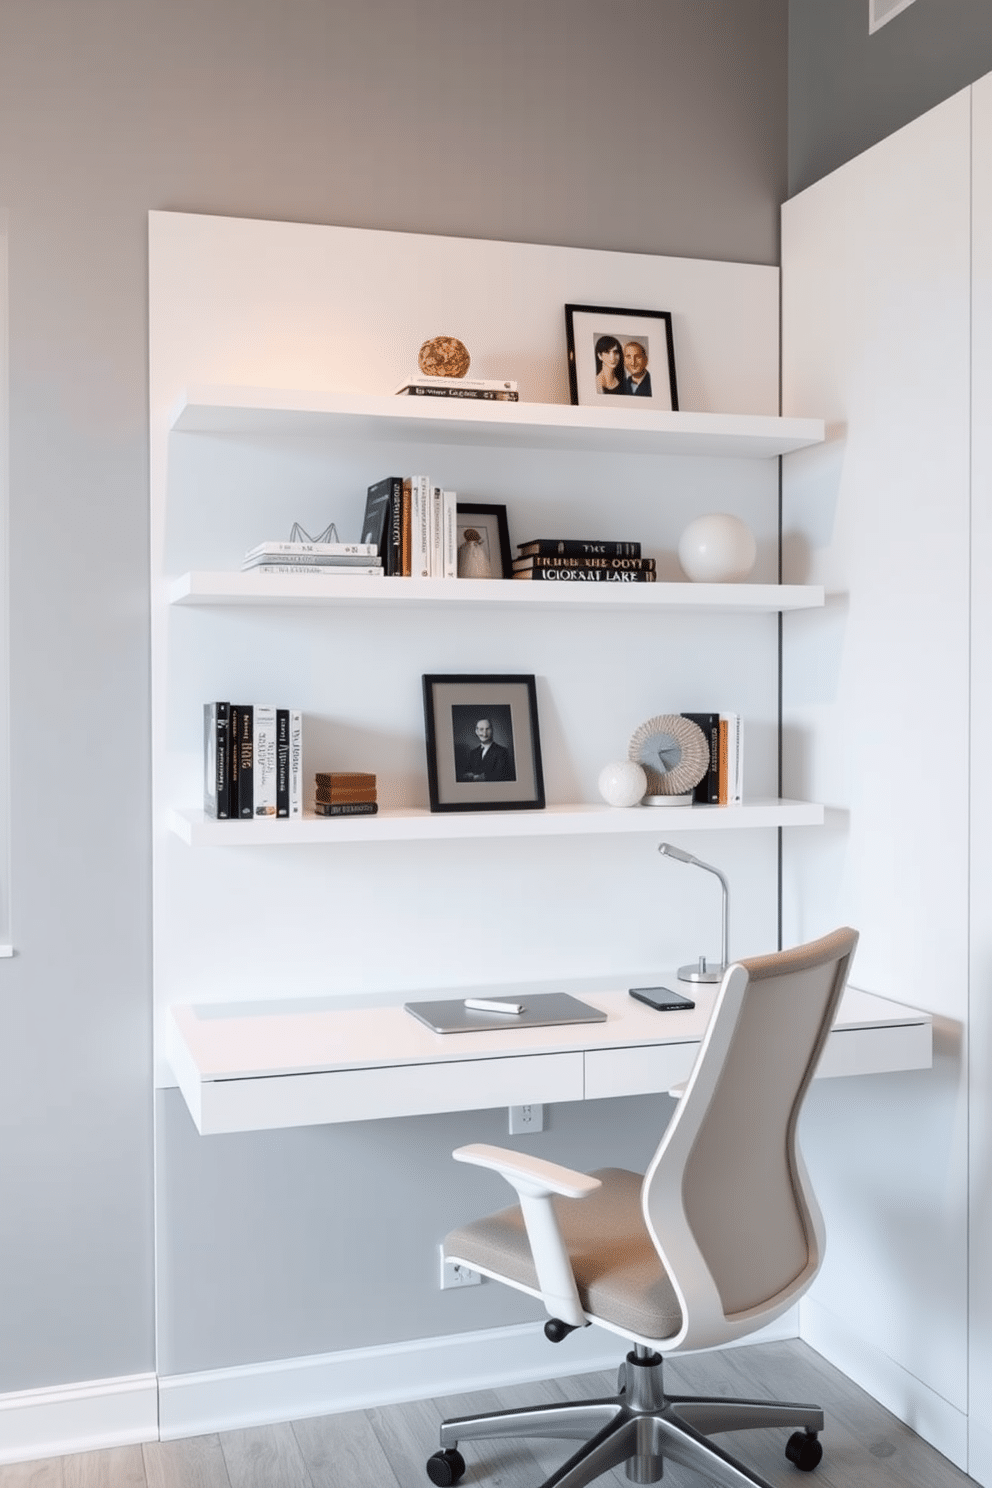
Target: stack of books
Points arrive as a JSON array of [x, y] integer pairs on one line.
[[723, 783], [570, 560], [413, 526], [309, 559], [253, 761], [483, 388], [342, 793]]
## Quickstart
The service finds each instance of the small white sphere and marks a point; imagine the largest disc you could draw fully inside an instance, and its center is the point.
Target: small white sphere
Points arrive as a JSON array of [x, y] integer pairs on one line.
[[717, 549], [622, 783]]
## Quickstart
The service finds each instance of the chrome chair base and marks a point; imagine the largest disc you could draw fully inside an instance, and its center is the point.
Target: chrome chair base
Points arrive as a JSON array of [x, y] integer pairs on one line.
[[641, 1427]]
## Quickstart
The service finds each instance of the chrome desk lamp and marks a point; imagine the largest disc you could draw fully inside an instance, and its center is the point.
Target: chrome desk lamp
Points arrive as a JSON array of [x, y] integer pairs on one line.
[[702, 971]]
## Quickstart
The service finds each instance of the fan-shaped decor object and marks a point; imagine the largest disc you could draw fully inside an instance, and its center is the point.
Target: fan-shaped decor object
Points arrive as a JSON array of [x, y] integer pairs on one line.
[[444, 356], [674, 755]]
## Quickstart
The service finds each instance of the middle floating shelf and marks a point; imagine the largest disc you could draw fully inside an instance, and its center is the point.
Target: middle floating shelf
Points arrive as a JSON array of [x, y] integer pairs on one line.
[[232, 587]]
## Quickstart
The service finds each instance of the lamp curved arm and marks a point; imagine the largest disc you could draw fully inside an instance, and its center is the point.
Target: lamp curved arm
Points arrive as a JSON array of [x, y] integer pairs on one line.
[[669, 850]]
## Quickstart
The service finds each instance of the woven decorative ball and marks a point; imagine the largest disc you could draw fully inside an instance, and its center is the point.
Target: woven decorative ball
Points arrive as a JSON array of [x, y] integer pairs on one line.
[[673, 753], [443, 356]]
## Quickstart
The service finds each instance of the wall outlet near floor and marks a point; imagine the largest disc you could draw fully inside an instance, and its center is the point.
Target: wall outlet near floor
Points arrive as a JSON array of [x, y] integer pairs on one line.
[[456, 1276], [525, 1119]]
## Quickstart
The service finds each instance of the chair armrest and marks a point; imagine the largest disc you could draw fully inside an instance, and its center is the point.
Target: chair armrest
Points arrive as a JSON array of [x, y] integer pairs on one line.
[[528, 1174], [535, 1182]]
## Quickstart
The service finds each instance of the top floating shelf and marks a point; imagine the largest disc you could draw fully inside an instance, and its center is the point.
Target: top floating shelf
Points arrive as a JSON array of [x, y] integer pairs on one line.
[[548, 426]]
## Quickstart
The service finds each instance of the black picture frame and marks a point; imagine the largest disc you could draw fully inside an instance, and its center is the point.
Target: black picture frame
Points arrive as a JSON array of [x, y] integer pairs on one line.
[[459, 779], [490, 521], [589, 327]]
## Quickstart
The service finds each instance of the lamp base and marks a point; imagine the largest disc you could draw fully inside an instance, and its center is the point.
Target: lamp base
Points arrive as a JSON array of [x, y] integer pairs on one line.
[[701, 971]]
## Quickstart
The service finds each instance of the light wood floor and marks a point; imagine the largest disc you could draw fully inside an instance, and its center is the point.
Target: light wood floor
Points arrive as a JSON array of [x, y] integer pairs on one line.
[[387, 1448]]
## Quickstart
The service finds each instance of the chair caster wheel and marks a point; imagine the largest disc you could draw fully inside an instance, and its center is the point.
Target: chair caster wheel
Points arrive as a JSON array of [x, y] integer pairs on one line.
[[804, 1450], [445, 1468]]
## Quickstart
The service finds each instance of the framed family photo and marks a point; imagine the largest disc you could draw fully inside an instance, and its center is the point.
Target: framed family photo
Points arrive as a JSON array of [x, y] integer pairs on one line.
[[483, 542], [483, 743], [621, 358]]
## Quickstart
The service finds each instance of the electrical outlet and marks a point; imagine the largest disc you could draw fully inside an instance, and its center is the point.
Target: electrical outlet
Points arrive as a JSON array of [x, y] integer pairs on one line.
[[525, 1119], [456, 1276]]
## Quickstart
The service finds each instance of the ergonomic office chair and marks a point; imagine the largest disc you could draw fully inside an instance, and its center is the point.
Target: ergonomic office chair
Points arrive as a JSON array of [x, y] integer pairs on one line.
[[718, 1238]]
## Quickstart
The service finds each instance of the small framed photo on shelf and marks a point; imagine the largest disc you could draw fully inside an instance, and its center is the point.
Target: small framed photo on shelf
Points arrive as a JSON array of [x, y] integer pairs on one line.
[[483, 743], [483, 542], [621, 358]]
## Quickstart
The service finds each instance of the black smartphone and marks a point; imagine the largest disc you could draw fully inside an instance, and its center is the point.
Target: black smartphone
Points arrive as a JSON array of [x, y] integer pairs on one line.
[[662, 998]]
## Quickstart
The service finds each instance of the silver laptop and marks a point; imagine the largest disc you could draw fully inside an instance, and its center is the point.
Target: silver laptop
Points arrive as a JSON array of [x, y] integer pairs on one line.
[[540, 1010]]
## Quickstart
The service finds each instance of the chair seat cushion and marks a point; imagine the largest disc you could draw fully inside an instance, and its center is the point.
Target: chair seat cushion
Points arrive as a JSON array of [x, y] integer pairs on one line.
[[618, 1272]]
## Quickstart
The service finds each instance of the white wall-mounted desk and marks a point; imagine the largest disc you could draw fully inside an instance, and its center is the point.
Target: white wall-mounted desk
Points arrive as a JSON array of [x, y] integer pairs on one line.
[[261, 1065]]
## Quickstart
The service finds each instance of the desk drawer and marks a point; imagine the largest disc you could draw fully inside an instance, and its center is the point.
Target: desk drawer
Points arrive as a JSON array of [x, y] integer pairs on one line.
[[876, 1051], [398, 1090], [643, 1070]]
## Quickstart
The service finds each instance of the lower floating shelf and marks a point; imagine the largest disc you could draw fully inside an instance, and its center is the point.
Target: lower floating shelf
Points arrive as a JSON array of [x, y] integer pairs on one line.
[[420, 825]]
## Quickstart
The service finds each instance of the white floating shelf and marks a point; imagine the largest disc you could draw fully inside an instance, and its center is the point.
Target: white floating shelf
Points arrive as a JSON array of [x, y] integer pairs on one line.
[[232, 587], [420, 825], [548, 426]]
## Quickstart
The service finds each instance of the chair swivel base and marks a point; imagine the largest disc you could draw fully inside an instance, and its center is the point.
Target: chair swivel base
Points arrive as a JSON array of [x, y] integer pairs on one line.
[[639, 1428]]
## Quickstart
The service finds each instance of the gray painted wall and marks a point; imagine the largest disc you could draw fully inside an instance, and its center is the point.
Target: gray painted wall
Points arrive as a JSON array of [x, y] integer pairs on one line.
[[306, 111], [848, 90]]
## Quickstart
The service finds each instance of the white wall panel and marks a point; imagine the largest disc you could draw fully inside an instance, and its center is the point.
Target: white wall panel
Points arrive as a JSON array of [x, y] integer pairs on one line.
[[980, 1335], [290, 306], [876, 328]]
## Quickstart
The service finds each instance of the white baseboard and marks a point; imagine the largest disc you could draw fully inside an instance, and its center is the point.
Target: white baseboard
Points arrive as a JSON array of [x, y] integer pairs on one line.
[[358, 1379], [78, 1418], [938, 1422], [141, 1407], [980, 1454]]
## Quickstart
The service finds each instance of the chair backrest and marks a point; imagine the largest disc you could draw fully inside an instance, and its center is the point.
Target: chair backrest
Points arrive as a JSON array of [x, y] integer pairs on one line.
[[727, 1197]]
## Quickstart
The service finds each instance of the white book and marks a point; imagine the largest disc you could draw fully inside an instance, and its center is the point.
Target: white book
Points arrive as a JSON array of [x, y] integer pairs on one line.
[[295, 763], [449, 534], [482, 384], [264, 759], [738, 797], [437, 533], [330, 550], [318, 570], [735, 757], [313, 560], [420, 526]]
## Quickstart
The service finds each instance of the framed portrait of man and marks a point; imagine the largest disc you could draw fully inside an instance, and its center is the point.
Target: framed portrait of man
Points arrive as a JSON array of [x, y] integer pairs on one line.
[[483, 743], [621, 359]]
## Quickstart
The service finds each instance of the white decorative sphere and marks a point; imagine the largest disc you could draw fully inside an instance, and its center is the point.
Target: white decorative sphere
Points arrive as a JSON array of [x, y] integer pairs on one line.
[[622, 783], [717, 549]]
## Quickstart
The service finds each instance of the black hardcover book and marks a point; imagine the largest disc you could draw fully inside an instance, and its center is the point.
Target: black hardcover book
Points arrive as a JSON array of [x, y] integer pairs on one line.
[[572, 547], [378, 524], [538, 560], [216, 760], [282, 762], [346, 808], [583, 575], [243, 754], [707, 792]]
